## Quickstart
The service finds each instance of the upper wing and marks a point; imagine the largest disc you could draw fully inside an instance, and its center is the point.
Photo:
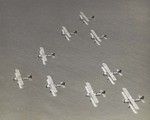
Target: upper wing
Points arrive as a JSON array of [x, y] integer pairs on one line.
[[51, 83], [66, 31], [130, 98], [42, 55], [109, 72], [42, 52], [17, 73], [89, 88], [127, 93], [49, 80], [84, 17], [95, 36], [19, 79]]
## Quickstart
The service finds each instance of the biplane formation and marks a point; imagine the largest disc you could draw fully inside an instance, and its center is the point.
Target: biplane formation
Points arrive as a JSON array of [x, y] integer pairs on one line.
[[111, 76]]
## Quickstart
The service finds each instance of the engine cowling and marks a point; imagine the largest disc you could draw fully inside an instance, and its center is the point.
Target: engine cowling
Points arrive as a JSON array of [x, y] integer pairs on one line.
[[39, 56], [14, 79]]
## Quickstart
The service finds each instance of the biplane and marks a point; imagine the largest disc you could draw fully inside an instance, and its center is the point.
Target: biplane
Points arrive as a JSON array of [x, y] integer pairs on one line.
[[52, 86], [109, 74], [85, 19], [43, 56], [19, 79], [131, 102], [96, 38], [67, 34], [92, 95]]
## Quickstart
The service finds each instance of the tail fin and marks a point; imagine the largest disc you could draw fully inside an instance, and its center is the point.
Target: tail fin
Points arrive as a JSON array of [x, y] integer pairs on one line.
[[75, 32], [103, 92], [62, 84], [118, 72], [141, 98], [92, 17], [104, 37], [53, 55], [30, 77]]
